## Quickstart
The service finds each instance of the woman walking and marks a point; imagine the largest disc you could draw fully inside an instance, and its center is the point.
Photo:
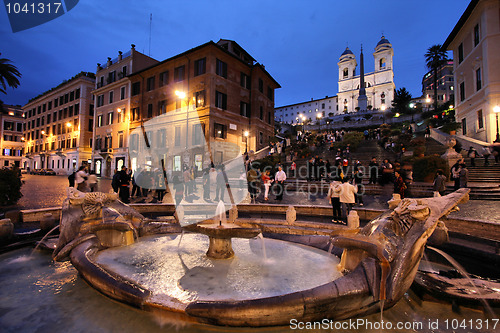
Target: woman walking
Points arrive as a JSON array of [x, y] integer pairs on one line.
[[266, 179]]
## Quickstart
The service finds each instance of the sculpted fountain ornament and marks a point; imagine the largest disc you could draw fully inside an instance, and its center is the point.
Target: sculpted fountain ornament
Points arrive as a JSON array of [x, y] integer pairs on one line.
[[379, 264], [451, 156]]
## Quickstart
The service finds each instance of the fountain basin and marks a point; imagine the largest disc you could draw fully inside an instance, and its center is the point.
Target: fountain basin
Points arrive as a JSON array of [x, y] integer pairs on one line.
[[154, 275]]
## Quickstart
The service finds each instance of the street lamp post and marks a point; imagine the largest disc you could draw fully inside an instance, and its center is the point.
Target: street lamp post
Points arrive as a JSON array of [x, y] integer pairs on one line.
[[182, 95], [318, 116], [383, 108], [246, 141], [496, 109]]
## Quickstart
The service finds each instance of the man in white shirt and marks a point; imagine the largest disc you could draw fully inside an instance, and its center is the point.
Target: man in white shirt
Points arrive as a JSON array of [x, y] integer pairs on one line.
[[280, 178], [80, 177], [347, 197]]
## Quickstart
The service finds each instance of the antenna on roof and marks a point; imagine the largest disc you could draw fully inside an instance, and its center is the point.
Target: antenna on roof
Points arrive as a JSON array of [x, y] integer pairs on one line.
[[150, 22]]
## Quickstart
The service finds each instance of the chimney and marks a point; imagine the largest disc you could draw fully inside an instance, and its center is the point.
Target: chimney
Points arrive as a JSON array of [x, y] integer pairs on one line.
[[109, 62], [120, 55]]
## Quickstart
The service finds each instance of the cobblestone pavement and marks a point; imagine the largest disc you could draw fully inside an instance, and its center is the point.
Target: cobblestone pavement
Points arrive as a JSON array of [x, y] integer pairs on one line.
[[50, 191]]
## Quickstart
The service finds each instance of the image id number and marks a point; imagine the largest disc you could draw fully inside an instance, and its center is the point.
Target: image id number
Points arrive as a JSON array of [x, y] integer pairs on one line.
[[33, 8]]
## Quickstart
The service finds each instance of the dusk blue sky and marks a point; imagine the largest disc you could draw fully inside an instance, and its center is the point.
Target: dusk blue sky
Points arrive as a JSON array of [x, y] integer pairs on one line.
[[299, 42]]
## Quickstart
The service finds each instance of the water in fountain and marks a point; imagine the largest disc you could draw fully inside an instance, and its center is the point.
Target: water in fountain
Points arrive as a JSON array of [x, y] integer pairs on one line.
[[180, 239], [220, 213], [43, 238], [261, 236], [48, 296], [462, 271]]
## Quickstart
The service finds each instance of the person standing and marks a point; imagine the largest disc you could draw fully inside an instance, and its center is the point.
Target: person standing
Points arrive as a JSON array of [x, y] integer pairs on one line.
[[115, 183], [280, 178], [124, 181], [439, 183], [81, 179], [221, 184], [92, 181], [486, 155], [455, 174], [358, 180], [252, 178], [373, 167], [293, 167], [206, 185], [463, 175], [334, 199], [399, 184], [266, 179], [179, 190], [472, 155], [347, 197]]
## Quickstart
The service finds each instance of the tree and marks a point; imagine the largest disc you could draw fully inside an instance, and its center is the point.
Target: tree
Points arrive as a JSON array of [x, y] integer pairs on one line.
[[9, 75], [401, 101], [435, 57]]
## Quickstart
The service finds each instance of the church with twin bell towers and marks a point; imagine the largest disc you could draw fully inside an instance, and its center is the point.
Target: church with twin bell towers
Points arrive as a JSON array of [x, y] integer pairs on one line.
[[366, 91]]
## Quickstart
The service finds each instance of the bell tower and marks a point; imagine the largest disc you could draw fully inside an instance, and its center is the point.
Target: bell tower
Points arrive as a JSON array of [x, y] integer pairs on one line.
[[347, 66], [383, 55]]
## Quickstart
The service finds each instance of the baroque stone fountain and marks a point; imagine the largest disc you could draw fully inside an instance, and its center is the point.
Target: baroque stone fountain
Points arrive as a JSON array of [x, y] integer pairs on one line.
[[113, 248]]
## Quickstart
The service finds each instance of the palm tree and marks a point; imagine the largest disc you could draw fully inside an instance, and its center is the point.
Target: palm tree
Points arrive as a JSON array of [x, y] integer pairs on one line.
[[9, 75], [435, 57]]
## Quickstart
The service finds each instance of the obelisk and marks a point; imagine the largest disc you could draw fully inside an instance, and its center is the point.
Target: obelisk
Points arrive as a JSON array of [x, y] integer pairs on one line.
[[362, 100]]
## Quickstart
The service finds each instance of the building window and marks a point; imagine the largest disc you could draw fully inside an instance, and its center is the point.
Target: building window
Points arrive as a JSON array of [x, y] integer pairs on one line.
[[270, 93], [261, 138], [110, 118], [245, 81], [245, 109], [150, 111], [111, 95], [177, 136], [476, 34], [111, 77], [478, 79], [136, 88], [462, 91], [100, 100], [179, 73], [221, 68], [135, 113], [122, 93], [197, 134], [200, 66], [220, 100], [382, 63], [77, 108], [150, 83], [162, 107], [99, 120], [77, 93], [90, 128], [480, 122], [161, 137], [261, 85], [163, 79], [346, 73], [464, 126], [124, 71], [219, 131], [120, 140], [261, 113], [269, 118], [199, 98], [460, 53]]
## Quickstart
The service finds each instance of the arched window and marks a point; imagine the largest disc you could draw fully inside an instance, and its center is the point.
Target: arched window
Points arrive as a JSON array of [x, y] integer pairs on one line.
[[382, 98], [346, 72], [382, 63]]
